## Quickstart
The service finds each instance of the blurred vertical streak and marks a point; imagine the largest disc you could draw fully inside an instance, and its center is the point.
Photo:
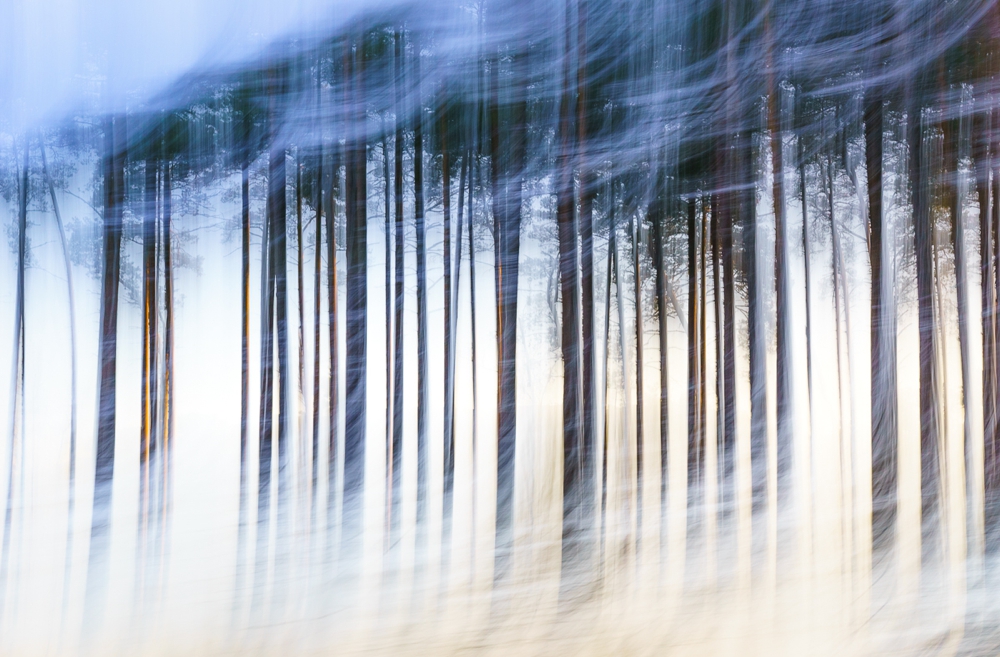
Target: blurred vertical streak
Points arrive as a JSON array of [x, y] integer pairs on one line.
[[357, 298], [71, 502], [115, 140], [16, 444], [572, 520], [395, 475]]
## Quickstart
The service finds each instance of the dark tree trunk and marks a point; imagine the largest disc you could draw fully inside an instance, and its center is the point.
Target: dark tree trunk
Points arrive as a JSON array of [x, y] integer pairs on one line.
[[695, 429], [570, 336], [318, 182], [387, 238], [423, 386], [923, 241], [507, 165], [586, 220], [357, 303], [398, 322], [981, 155], [883, 339], [264, 443], [277, 205], [148, 392], [782, 300], [100, 530]]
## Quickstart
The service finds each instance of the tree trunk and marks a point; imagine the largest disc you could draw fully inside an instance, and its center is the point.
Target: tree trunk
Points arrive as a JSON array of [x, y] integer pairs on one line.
[[586, 220], [883, 339], [100, 528], [695, 439], [923, 243], [507, 198], [423, 386], [570, 337], [16, 444], [398, 321], [71, 502], [148, 393], [357, 303]]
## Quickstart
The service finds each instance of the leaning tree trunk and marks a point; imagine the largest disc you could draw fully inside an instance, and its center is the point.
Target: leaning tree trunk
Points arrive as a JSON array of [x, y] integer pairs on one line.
[[16, 443], [71, 502]]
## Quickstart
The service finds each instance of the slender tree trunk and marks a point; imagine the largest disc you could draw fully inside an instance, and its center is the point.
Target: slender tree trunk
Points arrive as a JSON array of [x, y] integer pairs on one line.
[[883, 339], [473, 168], [570, 337], [611, 259], [357, 303], [318, 201], [508, 222], [244, 357], [782, 301], [333, 337], [387, 239], [448, 465], [16, 443], [71, 502], [167, 394], [929, 420], [659, 219], [755, 328], [635, 230], [148, 393], [955, 185], [277, 202], [423, 387], [398, 321], [300, 287], [100, 528], [720, 381], [264, 443], [695, 437], [586, 220], [806, 262]]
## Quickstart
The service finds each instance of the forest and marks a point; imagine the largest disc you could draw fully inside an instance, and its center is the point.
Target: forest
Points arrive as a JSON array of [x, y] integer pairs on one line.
[[543, 326]]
